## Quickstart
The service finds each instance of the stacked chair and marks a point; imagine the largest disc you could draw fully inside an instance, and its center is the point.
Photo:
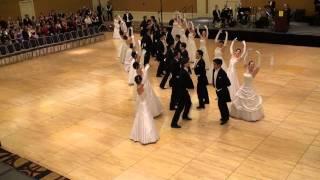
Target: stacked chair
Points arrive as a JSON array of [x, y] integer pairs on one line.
[[23, 50]]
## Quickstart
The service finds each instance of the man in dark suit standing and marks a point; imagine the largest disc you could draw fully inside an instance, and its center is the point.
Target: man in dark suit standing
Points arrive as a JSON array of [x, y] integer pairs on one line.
[[161, 54], [272, 4], [184, 83], [109, 11], [177, 43], [169, 63], [127, 18], [173, 82], [146, 44], [169, 37], [216, 15], [143, 26], [200, 71], [221, 83]]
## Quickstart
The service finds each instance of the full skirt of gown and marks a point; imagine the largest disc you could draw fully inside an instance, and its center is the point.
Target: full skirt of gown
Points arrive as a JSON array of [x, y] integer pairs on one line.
[[132, 73], [123, 52], [233, 77], [144, 129], [116, 31], [152, 99], [192, 49], [247, 105]]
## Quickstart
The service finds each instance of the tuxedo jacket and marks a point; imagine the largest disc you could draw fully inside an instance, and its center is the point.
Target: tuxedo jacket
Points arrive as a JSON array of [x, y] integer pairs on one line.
[[125, 17], [146, 43], [160, 51], [175, 70], [200, 71], [216, 14], [169, 38], [185, 55], [184, 82], [177, 47], [222, 84], [143, 28]]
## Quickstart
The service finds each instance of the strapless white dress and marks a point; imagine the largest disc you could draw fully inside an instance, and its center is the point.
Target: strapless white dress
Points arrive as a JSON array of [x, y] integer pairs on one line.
[[144, 129], [233, 76], [246, 104], [116, 30], [191, 47]]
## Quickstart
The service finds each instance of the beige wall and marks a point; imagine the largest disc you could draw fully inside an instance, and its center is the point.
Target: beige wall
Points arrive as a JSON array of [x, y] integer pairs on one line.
[[154, 5], [294, 4], [11, 7]]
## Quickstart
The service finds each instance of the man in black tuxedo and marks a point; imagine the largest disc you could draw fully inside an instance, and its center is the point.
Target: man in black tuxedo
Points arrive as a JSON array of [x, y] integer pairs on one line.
[[127, 18], [184, 52], [143, 26], [146, 43], [221, 83], [177, 43], [216, 14], [161, 53], [173, 82], [169, 63], [200, 71], [169, 37], [184, 83], [109, 11]]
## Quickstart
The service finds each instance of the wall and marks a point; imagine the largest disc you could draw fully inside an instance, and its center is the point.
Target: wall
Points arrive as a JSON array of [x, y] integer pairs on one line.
[[11, 7], [294, 4], [154, 5], [61, 5]]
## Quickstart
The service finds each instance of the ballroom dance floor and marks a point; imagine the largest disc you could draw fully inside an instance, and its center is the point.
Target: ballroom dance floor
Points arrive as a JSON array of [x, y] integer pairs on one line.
[[72, 113]]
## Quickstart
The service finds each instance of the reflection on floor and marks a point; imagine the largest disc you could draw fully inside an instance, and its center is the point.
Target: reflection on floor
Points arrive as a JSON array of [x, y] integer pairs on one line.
[[72, 113]]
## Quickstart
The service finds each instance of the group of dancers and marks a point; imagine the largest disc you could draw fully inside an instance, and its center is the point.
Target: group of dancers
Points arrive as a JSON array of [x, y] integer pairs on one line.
[[175, 50]]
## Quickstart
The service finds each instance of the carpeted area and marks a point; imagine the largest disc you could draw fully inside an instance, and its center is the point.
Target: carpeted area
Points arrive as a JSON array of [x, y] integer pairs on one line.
[[14, 167]]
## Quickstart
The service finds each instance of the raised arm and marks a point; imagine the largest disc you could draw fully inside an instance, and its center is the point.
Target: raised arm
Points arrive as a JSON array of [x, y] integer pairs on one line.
[[207, 31], [226, 39], [245, 59], [217, 36], [257, 68], [231, 46], [198, 31], [244, 48], [192, 25]]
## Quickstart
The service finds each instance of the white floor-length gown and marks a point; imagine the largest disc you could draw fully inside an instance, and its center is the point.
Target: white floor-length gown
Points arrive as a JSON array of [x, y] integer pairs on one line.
[[132, 72], [116, 30], [152, 99], [144, 129], [191, 47], [232, 71], [246, 104]]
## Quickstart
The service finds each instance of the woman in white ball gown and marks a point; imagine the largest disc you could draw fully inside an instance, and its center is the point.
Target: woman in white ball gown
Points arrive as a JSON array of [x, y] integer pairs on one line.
[[132, 71], [144, 129], [116, 30], [152, 98], [247, 105], [203, 46], [191, 44], [232, 69], [218, 53]]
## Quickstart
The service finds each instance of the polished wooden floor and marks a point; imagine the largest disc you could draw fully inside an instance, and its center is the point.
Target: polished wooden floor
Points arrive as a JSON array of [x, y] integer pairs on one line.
[[72, 113]]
